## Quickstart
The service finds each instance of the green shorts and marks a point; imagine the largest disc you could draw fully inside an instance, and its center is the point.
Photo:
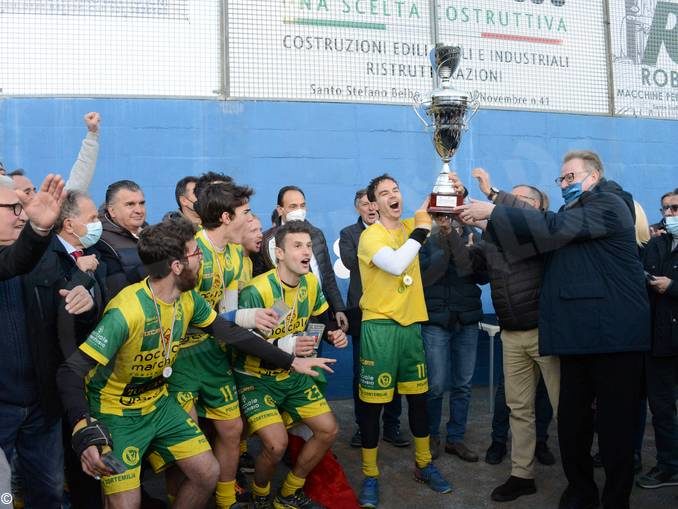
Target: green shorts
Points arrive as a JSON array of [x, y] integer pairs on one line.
[[264, 398], [391, 354], [202, 376], [167, 434]]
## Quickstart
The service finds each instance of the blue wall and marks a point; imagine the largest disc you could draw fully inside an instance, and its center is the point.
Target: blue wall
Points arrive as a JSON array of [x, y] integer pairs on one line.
[[329, 150]]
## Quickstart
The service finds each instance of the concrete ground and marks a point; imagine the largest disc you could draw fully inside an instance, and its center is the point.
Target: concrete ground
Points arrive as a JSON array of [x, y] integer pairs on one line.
[[472, 482]]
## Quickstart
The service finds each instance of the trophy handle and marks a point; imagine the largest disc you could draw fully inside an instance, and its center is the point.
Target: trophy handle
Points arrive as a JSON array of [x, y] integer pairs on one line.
[[418, 106], [474, 105]]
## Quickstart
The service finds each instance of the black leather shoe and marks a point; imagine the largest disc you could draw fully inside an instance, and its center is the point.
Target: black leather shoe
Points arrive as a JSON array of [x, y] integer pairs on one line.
[[513, 488], [459, 449], [544, 454], [396, 438], [495, 453], [597, 461], [571, 500], [356, 439]]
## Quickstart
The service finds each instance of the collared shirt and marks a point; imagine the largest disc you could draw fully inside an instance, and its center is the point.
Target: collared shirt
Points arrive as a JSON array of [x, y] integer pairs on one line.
[[68, 246]]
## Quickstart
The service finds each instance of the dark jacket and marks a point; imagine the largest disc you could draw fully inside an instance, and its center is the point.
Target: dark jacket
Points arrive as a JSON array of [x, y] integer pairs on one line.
[[118, 248], [22, 256], [348, 251], [450, 274], [263, 262], [51, 332], [516, 286], [660, 260], [593, 299]]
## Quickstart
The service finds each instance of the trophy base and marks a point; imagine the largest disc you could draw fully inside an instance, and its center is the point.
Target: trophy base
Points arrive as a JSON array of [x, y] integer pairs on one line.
[[444, 203]]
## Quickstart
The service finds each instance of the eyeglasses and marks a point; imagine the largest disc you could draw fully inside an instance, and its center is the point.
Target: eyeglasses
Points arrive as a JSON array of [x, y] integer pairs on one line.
[[569, 177], [663, 209], [526, 198], [197, 252], [16, 207]]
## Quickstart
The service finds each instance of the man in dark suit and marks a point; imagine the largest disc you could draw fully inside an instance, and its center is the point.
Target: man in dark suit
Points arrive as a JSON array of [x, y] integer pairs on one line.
[[348, 250], [31, 305], [593, 313], [71, 261]]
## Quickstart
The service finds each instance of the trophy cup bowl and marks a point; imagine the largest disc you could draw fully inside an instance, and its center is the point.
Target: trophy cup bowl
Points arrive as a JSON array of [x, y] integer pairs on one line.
[[449, 111]]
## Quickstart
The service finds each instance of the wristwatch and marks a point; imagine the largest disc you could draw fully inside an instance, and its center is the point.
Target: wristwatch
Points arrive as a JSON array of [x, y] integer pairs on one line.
[[492, 194]]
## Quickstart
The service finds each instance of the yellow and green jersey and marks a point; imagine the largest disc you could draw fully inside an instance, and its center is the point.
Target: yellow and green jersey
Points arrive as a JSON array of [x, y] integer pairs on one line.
[[219, 271], [246, 274], [128, 347], [386, 296], [305, 300]]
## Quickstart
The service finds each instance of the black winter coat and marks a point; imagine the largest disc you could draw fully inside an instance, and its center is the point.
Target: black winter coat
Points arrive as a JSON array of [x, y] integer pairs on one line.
[[52, 333], [20, 257], [593, 299], [660, 260], [118, 248], [450, 274], [516, 286]]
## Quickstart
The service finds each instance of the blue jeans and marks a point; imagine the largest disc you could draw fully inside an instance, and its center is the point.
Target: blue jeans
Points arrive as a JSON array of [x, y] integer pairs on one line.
[[38, 447], [451, 361], [543, 411]]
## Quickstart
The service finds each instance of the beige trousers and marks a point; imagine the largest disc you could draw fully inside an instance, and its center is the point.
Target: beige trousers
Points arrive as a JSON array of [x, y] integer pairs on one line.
[[522, 364]]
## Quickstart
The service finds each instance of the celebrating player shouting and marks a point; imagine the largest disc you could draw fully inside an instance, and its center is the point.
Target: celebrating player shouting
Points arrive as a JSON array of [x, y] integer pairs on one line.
[[125, 364], [391, 346], [266, 390]]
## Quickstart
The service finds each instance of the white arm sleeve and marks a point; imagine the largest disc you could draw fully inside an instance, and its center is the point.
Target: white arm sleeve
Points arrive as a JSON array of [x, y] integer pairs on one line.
[[247, 318], [229, 302], [82, 171], [288, 343], [395, 261]]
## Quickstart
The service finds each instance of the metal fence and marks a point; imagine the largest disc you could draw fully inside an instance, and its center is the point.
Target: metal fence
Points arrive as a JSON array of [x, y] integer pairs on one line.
[[600, 57]]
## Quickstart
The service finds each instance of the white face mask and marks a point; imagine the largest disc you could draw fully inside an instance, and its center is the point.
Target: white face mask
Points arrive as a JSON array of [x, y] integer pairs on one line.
[[296, 215], [93, 234]]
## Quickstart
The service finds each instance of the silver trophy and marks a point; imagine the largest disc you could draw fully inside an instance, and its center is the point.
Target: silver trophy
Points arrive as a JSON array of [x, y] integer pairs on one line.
[[449, 110]]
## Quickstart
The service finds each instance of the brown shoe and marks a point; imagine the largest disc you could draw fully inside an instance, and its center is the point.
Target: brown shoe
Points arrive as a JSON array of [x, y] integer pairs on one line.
[[459, 449]]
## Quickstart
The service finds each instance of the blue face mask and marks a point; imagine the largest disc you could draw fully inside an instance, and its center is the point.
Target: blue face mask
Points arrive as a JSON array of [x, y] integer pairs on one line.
[[672, 225], [572, 192], [92, 236]]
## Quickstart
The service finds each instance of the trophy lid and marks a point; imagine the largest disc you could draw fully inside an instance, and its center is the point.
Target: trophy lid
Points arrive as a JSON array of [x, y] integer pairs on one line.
[[449, 95]]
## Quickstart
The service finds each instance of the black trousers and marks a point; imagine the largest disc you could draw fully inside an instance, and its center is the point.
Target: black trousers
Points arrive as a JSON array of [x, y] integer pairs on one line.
[[614, 382], [662, 385]]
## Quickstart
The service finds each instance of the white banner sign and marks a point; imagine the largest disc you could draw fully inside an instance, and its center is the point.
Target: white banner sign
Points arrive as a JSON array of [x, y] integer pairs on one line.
[[113, 47], [530, 54], [329, 50], [645, 57]]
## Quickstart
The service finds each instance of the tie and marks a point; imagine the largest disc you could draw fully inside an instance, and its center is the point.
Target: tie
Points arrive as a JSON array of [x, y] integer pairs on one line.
[[77, 254]]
